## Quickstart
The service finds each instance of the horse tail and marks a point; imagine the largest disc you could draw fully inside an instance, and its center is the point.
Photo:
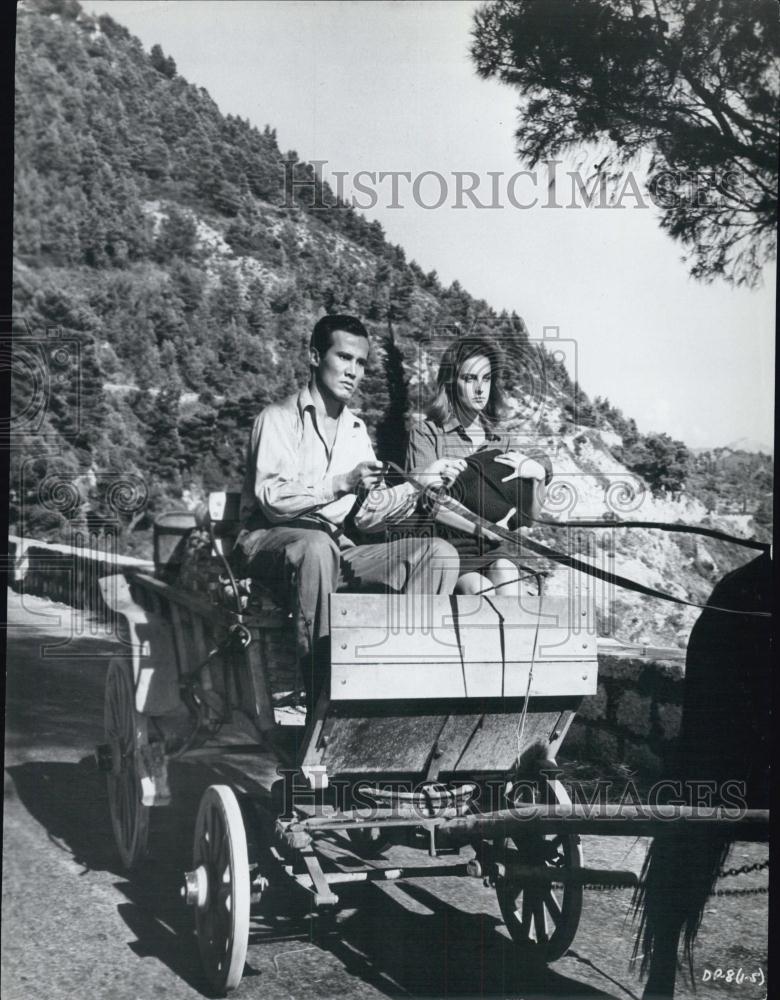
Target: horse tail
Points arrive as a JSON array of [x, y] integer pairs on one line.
[[678, 877]]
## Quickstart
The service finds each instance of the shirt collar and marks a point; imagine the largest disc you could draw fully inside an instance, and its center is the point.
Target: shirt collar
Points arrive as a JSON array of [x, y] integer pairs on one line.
[[453, 424], [306, 402]]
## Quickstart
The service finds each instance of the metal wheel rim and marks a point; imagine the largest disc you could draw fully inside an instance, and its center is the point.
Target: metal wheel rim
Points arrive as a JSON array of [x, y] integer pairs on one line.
[[126, 732], [542, 920], [222, 926]]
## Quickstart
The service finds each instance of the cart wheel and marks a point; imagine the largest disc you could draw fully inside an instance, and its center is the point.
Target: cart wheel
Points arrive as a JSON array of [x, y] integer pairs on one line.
[[542, 920], [125, 734], [221, 862]]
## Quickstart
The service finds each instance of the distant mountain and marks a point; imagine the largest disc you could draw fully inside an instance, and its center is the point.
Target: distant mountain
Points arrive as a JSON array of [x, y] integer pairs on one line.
[[165, 285], [750, 445]]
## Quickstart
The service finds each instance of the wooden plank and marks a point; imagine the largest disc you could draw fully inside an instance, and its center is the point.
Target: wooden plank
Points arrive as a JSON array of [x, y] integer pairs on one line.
[[453, 739], [149, 636], [157, 691], [253, 666], [312, 746], [279, 652], [494, 746], [635, 651], [561, 728], [190, 639], [180, 646], [400, 628], [411, 612], [515, 610], [402, 743], [379, 744], [391, 681], [202, 650], [486, 644]]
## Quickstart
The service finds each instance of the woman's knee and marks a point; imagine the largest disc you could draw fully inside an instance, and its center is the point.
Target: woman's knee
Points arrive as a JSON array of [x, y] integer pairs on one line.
[[473, 583], [502, 567], [505, 577], [443, 551]]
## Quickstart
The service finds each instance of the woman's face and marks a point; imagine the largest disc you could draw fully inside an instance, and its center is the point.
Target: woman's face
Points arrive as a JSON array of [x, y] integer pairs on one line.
[[472, 385]]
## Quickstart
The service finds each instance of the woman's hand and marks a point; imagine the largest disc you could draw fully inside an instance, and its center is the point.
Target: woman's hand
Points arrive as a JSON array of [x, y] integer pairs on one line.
[[523, 467], [442, 472]]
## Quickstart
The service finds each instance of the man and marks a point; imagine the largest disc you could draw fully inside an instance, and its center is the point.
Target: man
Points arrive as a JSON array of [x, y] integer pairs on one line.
[[310, 466]]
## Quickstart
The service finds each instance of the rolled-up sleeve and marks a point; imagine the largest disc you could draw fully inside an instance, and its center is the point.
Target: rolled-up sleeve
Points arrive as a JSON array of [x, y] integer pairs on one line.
[[421, 450], [385, 505], [282, 494]]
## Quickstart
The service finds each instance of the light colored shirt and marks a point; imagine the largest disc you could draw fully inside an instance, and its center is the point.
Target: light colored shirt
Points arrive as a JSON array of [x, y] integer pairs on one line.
[[290, 470]]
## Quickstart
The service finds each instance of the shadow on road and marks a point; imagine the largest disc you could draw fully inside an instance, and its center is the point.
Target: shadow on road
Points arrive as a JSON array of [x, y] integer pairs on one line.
[[434, 949], [70, 802], [442, 952]]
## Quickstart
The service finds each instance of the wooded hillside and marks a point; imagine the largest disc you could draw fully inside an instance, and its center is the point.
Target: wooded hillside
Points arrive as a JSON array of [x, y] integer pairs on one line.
[[166, 283]]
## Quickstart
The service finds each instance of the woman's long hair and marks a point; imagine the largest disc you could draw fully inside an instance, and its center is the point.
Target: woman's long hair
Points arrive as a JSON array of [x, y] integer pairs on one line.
[[442, 407]]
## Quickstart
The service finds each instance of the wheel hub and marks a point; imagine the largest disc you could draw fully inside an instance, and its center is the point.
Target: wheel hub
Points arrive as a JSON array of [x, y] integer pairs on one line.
[[195, 891], [116, 757]]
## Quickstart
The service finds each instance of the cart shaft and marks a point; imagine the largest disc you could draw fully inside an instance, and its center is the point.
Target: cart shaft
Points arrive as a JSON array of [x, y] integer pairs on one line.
[[603, 820], [610, 820]]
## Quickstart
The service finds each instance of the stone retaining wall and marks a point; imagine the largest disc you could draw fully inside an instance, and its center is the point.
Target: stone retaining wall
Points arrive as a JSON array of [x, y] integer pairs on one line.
[[634, 718], [64, 573]]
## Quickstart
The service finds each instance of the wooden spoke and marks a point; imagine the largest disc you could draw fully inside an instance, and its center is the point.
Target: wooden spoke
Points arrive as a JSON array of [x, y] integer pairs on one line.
[[552, 905], [527, 912], [540, 920]]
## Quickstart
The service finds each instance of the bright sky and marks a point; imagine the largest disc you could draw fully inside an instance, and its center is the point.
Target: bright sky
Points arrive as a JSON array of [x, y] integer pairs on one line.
[[389, 86]]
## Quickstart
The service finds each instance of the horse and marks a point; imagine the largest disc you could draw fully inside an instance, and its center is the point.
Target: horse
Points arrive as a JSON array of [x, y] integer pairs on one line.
[[724, 738]]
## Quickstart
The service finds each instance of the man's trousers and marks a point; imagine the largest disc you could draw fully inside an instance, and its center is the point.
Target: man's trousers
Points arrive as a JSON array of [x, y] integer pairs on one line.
[[305, 566]]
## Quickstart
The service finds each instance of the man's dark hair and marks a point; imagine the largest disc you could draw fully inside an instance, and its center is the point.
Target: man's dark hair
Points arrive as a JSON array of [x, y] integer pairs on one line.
[[322, 334]]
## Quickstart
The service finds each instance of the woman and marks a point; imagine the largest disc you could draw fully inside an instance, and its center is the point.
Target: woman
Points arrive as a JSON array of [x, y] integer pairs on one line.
[[463, 419]]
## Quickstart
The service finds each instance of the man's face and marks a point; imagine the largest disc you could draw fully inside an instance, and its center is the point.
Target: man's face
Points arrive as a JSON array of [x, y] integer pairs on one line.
[[339, 371]]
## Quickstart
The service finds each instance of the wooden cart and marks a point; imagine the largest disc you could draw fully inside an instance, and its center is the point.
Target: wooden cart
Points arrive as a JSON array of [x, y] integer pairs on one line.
[[438, 708]]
